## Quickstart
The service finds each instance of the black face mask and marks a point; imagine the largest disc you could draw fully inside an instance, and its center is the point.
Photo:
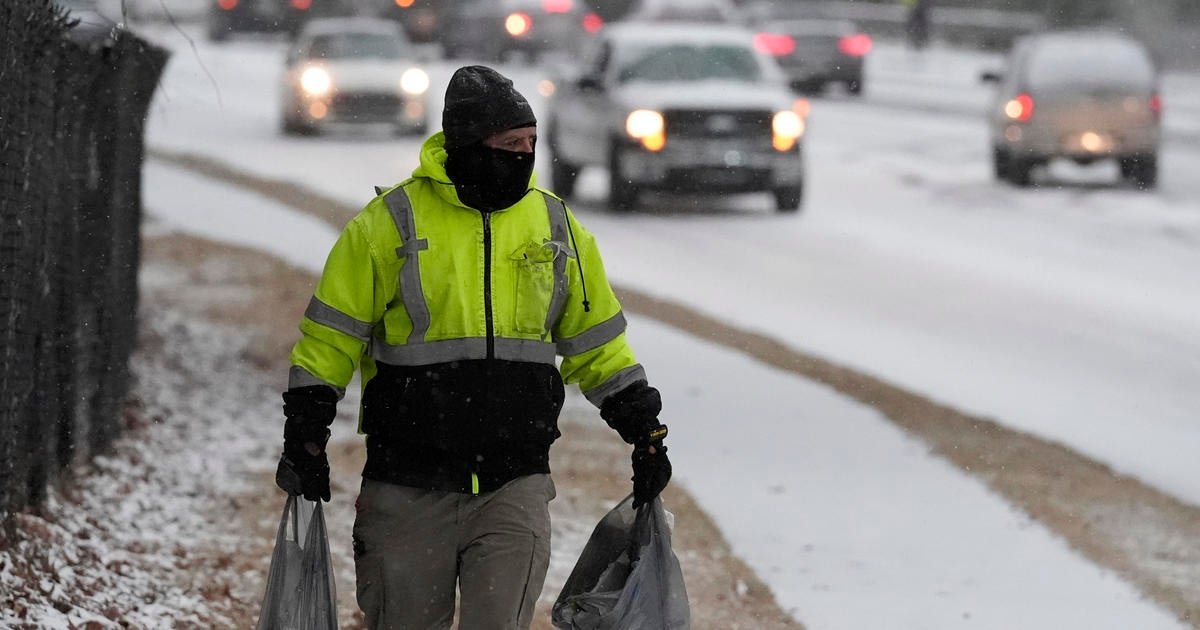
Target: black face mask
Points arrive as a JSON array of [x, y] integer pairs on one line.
[[489, 179]]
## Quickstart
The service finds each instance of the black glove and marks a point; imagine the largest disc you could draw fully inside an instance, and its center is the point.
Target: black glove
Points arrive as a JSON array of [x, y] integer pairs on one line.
[[304, 467], [651, 471], [633, 412]]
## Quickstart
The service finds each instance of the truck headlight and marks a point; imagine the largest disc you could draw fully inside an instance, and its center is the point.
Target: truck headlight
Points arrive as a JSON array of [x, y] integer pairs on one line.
[[316, 81], [414, 81], [786, 127], [648, 126]]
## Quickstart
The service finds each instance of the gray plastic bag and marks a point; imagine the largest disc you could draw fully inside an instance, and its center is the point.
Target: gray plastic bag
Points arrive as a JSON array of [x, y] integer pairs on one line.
[[300, 591], [627, 577]]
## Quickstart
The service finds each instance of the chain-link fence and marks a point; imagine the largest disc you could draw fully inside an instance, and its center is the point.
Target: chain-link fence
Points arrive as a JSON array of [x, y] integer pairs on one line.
[[71, 121]]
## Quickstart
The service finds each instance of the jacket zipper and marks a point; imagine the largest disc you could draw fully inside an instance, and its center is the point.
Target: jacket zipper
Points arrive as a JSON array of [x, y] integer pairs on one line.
[[487, 283], [487, 309]]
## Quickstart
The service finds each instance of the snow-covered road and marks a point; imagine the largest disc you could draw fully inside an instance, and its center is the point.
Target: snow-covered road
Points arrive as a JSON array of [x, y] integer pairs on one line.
[[1071, 311]]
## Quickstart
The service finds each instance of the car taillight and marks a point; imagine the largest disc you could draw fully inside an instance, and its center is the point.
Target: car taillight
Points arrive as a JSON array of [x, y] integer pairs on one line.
[[518, 24], [592, 22], [301, 5], [1020, 108], [802, 107], [227, 5], [1156, 104], [404, 4], [774, 44], [857, 45], [557, 6]]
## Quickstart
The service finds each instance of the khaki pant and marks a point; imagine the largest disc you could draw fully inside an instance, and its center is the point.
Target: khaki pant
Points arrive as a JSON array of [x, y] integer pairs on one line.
[[411, 547]]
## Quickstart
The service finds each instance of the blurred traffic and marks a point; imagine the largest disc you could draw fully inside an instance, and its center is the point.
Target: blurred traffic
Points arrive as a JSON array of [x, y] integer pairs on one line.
[[712, 97]]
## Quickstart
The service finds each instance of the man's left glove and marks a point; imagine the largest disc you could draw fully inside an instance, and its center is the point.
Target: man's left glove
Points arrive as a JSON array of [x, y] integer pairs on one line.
[[651, 471], [304, 467], [633, 412]]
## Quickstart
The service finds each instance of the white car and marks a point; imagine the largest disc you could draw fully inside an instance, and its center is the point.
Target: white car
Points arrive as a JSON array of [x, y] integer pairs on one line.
[[693, 108], [353, 71]]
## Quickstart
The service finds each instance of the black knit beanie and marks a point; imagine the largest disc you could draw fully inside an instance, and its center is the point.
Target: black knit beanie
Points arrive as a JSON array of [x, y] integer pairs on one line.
[[479, 103]]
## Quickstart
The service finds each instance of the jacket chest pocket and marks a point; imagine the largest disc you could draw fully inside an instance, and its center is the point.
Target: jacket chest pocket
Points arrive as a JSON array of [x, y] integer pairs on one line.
[[535, 285], [534, 290]]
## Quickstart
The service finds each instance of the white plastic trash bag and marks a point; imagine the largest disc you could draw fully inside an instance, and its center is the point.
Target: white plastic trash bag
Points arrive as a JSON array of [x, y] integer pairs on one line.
[[300, 589], [627, 577]]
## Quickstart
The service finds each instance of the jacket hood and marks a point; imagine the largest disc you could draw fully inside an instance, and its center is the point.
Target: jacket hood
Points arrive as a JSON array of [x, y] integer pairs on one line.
[[433, 168]]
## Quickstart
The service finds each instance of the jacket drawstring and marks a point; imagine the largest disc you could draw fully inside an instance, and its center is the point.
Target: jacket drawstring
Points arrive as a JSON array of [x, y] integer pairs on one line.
[[578, 263]]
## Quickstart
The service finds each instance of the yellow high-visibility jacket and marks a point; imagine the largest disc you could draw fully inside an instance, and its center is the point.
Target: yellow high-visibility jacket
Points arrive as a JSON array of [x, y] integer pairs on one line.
[[456, 318]]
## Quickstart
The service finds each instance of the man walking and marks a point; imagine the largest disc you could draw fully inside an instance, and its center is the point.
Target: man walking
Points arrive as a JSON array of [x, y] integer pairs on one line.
[[453, 293]]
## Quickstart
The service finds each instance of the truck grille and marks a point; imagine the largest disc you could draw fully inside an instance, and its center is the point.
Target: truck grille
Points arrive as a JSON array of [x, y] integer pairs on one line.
[[687, 123]]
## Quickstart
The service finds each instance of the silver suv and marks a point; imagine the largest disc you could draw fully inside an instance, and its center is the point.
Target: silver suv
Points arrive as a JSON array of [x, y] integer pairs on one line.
[[1084, 95]]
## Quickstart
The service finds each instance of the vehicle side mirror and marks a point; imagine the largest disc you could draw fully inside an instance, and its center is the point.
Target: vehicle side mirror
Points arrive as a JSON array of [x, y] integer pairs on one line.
[[990, 76], [590, 83]]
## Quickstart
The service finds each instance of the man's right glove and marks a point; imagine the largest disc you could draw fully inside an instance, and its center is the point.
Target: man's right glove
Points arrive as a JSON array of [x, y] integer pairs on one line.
[[633, 412], [304, 467]]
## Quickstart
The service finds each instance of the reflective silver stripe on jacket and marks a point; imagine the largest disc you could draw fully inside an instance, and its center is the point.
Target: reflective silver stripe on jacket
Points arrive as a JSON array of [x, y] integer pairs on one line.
[[326, 315], [400, 208], [615, 383], [558, 233], [593, 337], [300, 377], [427, 353]]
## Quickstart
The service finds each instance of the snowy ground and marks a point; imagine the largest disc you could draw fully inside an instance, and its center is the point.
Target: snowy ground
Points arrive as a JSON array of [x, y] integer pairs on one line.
[[142, 520], [831, 503], [1067, 311]]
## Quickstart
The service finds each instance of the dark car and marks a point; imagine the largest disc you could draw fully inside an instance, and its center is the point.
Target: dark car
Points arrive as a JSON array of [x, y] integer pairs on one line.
[[691, 108], [499, 30], [227, 17], [814, 53]]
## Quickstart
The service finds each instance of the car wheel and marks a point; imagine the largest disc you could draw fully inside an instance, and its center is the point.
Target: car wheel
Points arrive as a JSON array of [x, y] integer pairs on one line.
[[788, 198], [218, 30], [562, 172], [563, 175], [1000, 163], [855, 86], [1142, 170], [1020, 171], [293, 127], [622, 193]]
